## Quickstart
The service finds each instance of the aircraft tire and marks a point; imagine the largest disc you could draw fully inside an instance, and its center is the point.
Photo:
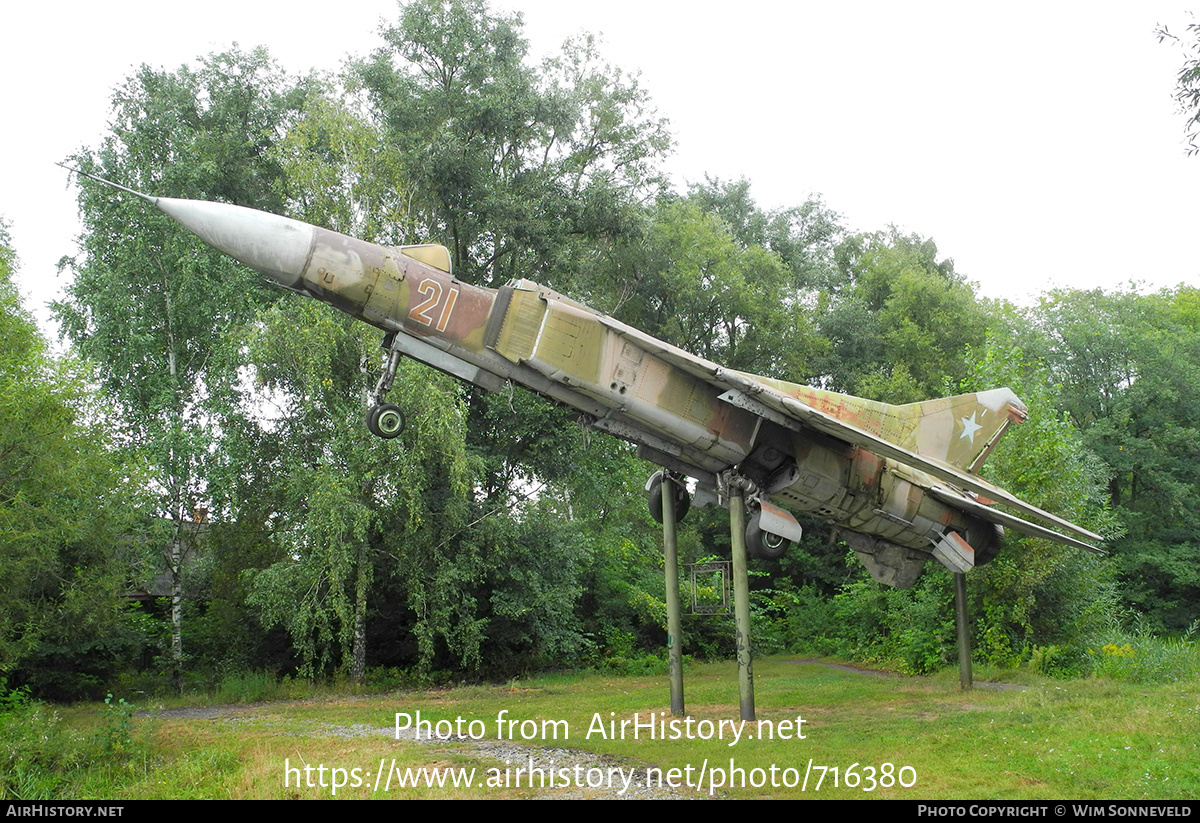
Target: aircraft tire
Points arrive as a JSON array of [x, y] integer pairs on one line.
[[987, 554], [763, 544], [385, 420], [683, 500]]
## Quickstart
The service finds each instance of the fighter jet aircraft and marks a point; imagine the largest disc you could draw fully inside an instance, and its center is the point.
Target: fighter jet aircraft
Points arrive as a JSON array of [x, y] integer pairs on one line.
[[900, 482]]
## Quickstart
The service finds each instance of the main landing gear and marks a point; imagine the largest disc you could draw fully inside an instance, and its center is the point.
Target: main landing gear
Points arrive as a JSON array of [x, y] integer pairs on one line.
[[770, 531], [386, 420], [763, 544], [683, 500]]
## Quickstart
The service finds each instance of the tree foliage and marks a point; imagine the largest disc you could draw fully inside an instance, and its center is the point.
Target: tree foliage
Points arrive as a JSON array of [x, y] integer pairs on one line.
[[65, 504], [1187, 88], [148, 303], [511, 166], [350, 507], [520, 170], [715, 275], [805, 237], [342, 173], [901, 324], [1037, 593], [688, 281], [1129, 366]]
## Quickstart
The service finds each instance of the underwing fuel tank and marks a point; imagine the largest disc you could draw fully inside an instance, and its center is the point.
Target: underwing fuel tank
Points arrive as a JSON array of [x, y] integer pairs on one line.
[[899, 482]]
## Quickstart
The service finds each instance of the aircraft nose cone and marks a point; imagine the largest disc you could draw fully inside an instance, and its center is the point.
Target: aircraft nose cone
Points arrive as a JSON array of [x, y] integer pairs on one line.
[[275, 246]]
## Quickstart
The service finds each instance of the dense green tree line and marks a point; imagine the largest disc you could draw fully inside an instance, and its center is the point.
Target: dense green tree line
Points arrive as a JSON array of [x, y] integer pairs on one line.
[[1128, 367], [497, 535], [65, 527]]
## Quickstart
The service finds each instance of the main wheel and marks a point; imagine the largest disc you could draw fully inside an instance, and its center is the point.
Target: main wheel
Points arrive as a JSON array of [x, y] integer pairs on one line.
[[763, 544], [988, 539], [385, 420], [683, 500]]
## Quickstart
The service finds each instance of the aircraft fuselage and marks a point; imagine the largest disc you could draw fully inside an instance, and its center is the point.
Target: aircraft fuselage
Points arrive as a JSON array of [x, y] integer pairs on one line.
[[899, 480]]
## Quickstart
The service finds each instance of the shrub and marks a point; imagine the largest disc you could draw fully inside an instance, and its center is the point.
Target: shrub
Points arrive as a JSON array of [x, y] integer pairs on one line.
[[1139, 657]]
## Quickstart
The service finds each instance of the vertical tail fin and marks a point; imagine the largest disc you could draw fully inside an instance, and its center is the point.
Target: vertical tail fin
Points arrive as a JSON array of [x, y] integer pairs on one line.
[[963, 430]]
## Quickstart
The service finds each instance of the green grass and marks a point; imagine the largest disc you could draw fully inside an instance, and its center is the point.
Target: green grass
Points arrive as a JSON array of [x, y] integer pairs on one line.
[[1082, 739]]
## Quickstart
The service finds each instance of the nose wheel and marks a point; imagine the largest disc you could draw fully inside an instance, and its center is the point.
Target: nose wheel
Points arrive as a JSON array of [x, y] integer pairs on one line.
[[386, 420]]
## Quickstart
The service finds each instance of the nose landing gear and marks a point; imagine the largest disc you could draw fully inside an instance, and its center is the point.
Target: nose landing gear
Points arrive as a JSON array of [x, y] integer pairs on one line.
[[386, 420]]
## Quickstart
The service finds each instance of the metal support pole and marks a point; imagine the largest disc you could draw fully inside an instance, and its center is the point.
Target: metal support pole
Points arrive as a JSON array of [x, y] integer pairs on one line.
[[964, 634], [671, 566], [741, 600]]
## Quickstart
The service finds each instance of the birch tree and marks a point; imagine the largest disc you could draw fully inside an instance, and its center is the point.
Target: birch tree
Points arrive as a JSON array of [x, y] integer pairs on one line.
[[148, 302]]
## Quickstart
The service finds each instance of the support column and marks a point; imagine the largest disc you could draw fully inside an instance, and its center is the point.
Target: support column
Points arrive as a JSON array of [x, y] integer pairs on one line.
[[964, 634], [741, 599], [671, 573]]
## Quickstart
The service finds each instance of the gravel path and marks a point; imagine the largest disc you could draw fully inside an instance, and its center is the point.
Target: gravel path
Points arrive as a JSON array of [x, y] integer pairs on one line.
[[503, 752], [515, 755]]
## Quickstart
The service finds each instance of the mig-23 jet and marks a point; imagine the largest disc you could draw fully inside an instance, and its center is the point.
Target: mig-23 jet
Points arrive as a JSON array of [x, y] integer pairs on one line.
[[899, 482]]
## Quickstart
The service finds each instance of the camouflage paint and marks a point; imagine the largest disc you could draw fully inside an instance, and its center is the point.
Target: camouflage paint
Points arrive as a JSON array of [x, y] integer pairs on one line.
[[899, 481]]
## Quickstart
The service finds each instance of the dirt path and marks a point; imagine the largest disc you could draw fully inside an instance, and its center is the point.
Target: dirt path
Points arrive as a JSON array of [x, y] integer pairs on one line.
[[842, 667]]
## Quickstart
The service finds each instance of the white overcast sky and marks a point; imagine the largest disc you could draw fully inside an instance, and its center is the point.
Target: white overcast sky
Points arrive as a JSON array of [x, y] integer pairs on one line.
[[1036, 143]]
